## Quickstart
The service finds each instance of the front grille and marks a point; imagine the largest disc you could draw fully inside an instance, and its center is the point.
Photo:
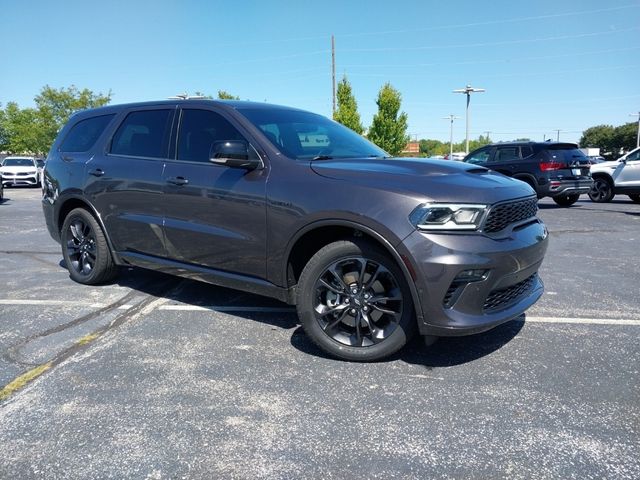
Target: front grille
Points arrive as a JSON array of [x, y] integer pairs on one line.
[[499, 299], [503, 215]]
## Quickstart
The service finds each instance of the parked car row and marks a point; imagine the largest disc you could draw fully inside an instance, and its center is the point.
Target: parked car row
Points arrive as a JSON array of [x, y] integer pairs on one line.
[[561, 171]]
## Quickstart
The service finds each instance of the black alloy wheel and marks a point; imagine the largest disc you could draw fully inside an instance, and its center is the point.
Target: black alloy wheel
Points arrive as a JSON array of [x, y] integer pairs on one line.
[[566, 200], [601, 191], [85, 249], [354, 303]]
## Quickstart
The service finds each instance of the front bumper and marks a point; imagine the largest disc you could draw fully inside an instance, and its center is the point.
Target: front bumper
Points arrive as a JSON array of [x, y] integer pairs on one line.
[[510, 285], [10, 179]]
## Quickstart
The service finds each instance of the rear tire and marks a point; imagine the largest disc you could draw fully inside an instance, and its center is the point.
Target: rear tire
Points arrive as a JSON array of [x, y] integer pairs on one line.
[[566, 200], [601, 190], [85, 249], [635, 197], [354, 302]]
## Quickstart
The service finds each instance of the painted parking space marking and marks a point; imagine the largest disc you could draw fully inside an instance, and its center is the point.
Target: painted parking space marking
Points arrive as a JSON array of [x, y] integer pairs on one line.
[[58, 303], [584, 321], [226, 308], [252, 309]]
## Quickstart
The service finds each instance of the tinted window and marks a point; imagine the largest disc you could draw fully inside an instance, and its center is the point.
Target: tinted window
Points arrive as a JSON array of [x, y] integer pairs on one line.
[[199, 129], [83, 135], [507, 154], [526, 151], [479, 158], [304, 135], [143, 134], [567, 154], [634, 156]]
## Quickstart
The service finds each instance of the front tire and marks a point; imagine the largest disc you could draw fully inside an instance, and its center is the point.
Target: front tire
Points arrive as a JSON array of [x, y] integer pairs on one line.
[[601, 190], [566, 200], [635, 197], [354, 302], [85, 249]]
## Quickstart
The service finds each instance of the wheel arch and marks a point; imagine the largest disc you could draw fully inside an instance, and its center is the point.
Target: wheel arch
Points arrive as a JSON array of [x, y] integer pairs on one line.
[[315, 236], [605, 176], [73, 202]]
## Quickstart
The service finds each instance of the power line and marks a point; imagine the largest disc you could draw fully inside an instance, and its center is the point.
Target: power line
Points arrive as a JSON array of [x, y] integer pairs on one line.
[[491, 44], [491, 62], [492, 22], [432, 28]]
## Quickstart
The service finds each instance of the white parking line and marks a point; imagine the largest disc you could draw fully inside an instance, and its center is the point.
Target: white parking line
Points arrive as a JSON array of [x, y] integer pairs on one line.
[[221, 308], [58, 303], [248, 309], [583, 321]]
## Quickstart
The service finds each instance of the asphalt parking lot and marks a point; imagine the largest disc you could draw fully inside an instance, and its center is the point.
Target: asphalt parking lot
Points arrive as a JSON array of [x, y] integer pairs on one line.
[[158, 377]]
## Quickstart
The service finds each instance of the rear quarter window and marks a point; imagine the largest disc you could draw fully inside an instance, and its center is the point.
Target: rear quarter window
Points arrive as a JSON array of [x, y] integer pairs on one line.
[[83, 135]]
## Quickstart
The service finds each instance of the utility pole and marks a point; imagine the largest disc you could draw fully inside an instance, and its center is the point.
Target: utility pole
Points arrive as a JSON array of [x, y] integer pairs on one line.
[[487, 134], [557, 130], [333, 72], [638, 138], [468, 90], [451, 118]]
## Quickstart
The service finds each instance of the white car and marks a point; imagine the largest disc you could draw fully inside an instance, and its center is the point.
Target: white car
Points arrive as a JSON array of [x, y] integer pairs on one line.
[[620, 176], [20, 171]]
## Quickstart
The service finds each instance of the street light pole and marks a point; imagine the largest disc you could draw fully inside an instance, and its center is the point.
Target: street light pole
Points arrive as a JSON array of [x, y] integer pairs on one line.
[[451, 118], [468, 90], [638, 138]]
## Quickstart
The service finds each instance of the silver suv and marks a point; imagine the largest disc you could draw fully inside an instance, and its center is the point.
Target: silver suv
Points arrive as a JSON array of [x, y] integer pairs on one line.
[[620, 176]]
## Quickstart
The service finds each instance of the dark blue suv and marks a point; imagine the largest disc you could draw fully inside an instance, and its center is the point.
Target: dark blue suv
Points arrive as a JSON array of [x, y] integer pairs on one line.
[[553, 169]]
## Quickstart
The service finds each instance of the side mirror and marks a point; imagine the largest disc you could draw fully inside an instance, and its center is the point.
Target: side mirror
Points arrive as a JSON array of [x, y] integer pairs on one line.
[[234, 154]]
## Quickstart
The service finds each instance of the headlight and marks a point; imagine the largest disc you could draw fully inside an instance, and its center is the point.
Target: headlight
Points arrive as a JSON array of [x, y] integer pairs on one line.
[[448, 216]]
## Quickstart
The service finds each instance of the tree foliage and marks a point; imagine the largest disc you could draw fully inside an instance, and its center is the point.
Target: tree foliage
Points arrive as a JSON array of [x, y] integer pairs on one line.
[[33, 130], [389, 127], [611, 141], [431, 148], [224, 95], [347, 111]]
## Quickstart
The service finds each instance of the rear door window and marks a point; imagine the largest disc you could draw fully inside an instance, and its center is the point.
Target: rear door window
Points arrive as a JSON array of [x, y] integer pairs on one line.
[[507, 154], [143, 133], [83, 135]]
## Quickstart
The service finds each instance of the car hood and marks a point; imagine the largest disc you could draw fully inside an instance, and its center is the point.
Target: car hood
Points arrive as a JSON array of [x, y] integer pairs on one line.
[[438, 180], [605, 166]]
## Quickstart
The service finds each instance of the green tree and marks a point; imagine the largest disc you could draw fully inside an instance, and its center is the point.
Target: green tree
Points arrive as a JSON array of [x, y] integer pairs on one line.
[[602, 137], [347, 111], [55, 106], [625, 136], [389, 127], [224, 95], [3, 132], [21, 129], [33, 130]]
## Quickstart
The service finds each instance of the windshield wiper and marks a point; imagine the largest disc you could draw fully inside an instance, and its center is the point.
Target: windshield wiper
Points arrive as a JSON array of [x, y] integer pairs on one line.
[[322, 157]]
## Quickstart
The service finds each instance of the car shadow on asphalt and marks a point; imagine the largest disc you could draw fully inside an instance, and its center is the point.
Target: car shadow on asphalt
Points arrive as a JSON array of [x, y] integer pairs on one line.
[[446, 352]]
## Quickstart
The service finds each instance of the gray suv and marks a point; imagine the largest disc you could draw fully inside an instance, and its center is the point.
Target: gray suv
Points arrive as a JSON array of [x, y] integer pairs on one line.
[[288, 204]]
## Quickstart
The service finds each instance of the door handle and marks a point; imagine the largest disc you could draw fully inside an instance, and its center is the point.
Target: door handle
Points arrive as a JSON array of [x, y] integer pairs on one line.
[[96, 172], [177, 180]]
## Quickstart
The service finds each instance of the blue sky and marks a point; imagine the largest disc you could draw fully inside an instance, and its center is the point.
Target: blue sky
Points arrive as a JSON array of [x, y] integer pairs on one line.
[[545, 65]]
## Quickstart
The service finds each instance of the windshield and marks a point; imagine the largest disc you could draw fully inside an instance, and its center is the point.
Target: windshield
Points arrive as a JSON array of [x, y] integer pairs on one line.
[[307, 136], [17, 162]]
